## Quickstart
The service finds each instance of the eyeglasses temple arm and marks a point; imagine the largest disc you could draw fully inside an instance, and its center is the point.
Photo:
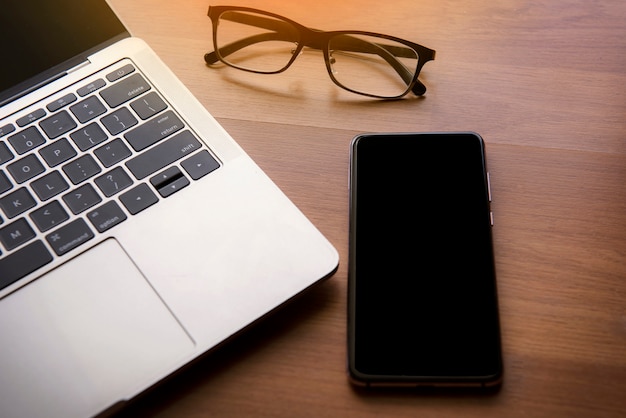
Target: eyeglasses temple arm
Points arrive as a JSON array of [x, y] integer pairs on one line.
[[282, 32], [212, 57]]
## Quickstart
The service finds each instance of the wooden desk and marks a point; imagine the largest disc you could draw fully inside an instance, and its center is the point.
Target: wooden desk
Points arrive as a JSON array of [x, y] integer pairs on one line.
[[544, 83]]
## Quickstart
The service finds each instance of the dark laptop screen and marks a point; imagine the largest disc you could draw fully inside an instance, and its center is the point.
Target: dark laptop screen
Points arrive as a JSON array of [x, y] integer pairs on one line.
[[41, 38]]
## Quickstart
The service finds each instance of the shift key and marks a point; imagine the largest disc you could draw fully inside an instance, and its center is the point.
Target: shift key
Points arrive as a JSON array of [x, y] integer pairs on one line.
[[163, 154]]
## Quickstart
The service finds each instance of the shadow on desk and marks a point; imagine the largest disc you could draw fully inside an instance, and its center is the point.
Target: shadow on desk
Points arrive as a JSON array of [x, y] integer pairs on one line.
[[208, 369], [236, 364], [427, 392]]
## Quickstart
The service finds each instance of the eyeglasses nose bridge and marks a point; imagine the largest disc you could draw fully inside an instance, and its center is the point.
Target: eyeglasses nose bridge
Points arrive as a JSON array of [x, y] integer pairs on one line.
[[310, 38]]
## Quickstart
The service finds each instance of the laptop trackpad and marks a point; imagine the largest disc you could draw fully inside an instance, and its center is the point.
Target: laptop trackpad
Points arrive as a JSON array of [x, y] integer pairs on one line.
[[87, 335]]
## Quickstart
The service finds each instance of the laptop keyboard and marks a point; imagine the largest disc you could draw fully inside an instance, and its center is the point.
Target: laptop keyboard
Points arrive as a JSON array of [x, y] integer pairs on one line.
[[85, 161]]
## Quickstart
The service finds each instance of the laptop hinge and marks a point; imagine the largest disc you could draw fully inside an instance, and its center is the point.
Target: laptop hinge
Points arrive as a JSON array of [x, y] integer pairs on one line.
[[78, 67], [30, 89], [56, 72], [24, 92]]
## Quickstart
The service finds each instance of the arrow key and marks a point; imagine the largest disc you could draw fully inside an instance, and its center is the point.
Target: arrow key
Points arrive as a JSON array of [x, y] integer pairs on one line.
[[139, 198], [169, 181], [174, 186], [200, 164]]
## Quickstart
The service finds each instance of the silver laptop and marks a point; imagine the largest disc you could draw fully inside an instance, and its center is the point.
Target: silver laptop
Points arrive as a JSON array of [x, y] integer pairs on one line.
[[135, 234]]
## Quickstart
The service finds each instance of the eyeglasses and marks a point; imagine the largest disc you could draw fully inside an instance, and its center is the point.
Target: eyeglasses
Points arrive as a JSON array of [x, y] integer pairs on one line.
[[365, 63]]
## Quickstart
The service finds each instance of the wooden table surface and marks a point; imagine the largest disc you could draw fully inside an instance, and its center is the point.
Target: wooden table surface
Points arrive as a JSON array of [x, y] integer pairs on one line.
[[544, 83]]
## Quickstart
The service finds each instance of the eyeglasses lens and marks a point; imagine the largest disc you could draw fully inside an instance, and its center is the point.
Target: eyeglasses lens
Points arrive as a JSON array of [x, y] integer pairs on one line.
[[255, 42], [372, 65]]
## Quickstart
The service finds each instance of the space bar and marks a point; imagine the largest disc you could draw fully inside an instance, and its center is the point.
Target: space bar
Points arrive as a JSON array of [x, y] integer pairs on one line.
[[23, 262]]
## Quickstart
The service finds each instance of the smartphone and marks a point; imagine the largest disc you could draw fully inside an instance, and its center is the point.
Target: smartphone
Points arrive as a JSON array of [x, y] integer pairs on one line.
[[422, 304]]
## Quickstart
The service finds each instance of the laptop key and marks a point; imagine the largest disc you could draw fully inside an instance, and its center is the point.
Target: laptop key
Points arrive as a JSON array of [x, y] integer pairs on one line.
[[154, 130], [107, 216], [89, 136], [23, 262], [139, 198], [6, 129], [120, 72], [125, 90], [58, 152], [88, 109], [31, 117], [70, 236], [200, 164], [49, 185], [17, 202], [91, 87], [81, 199], [169, 182], [113, 182], [5, 153], [119, 121], [26, 168], [163, 154], [5, 184], [49, 216], [148, 105], [16, 233], [112, 153], [57, 124], [61, 102], [81, 169], [26, 140]]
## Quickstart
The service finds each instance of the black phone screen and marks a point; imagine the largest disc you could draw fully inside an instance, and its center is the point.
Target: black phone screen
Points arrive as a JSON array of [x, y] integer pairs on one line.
[[423, 300]]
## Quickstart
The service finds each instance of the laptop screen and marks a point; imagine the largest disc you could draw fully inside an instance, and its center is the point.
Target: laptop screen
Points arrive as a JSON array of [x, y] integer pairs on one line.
[[40, 39]]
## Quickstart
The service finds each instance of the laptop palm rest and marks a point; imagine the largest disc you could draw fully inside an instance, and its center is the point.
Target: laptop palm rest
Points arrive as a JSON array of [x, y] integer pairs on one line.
[[101, 327]]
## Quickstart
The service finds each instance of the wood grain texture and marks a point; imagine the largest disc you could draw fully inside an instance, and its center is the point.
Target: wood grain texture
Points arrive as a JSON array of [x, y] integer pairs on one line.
[[543, 83]]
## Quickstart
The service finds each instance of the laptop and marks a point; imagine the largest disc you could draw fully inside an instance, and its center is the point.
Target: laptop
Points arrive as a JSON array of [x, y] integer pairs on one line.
[[135, 234]]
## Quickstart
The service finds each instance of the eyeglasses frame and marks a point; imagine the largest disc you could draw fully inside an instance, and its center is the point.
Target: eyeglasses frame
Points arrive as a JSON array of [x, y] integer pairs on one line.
[[320, 40]]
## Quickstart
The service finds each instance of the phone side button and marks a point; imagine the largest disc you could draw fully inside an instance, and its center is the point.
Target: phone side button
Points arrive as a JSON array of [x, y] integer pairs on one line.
[[491, 217], [489, 185]]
